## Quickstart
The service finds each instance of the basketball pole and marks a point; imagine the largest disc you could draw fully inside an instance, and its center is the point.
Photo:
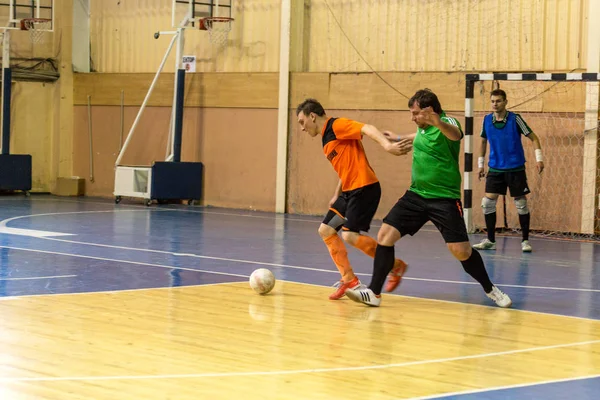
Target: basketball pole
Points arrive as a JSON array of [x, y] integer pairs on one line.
[[6, 92], [143, 106]]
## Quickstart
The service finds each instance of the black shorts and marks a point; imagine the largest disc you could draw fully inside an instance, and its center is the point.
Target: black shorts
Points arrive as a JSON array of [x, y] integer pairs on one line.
[[412, 211], [357, 206], [516, 181]]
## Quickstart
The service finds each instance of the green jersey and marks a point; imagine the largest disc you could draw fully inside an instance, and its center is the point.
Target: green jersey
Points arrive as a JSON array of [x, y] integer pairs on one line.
[[435, 172]]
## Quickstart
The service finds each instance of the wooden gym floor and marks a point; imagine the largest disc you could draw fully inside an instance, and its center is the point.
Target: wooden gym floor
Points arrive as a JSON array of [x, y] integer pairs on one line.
[[104, 301]]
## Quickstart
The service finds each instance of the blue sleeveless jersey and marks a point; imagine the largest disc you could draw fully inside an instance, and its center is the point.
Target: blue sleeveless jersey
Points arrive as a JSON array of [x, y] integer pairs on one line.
[[506, 149]]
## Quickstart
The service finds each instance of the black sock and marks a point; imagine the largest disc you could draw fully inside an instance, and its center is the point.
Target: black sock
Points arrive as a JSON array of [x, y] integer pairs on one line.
[[490, 224], [382, 265], [524, 221], [474, 266]]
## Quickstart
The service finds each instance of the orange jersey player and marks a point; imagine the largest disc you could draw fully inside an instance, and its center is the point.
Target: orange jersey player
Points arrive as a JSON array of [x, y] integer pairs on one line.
[[358, 192]]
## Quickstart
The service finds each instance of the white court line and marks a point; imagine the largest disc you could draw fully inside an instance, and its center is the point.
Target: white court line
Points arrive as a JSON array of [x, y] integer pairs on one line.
[[42, 234], [291, 372], [306, 268], [259, 263], [38, 277], [27, 296], [496, 388], [122, 261]]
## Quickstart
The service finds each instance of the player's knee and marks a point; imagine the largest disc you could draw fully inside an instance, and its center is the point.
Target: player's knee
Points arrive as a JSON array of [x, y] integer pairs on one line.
[[488, 205], [387, 235], [350, 237], [325, 231], [461, 251], [521, 203]]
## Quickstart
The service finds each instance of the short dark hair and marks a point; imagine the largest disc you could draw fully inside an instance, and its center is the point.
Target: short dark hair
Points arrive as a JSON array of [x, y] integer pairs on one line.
[[426, 98], [498, 92], [310, 106]]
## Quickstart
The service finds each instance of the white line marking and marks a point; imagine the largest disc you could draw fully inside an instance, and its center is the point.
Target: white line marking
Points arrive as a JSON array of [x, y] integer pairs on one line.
[[500, 284], [38, 277], [306, 268], [31, 232], [496, 388], [26, 296], [124, 261], [291, 372], [42, 234]]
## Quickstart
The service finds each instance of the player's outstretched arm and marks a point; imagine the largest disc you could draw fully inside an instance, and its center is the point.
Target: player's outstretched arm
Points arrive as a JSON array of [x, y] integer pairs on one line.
[[397, 148], [430, 117], [397, 138]]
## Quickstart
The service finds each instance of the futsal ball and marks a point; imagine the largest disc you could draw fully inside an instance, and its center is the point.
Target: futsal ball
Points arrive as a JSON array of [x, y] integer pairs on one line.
[[262, 281]]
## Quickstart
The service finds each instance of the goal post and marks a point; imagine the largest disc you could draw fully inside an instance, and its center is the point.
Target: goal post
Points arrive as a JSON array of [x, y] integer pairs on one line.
[[562, 109]]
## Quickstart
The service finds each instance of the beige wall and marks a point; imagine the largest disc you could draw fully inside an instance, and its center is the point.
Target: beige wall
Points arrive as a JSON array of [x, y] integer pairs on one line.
[[236, 146], [391, 35], [122, 37], [237, 143], [31, 129]]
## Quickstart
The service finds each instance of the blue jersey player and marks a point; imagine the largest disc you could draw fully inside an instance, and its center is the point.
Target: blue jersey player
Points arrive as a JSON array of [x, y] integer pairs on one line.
[[503, 130]]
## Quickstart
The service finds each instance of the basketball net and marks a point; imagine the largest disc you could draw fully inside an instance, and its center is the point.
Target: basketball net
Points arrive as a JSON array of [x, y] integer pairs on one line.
[[36, 28], [218, 30]]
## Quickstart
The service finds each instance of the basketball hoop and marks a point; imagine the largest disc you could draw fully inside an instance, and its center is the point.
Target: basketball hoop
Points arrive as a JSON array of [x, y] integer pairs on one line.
[[36, 27], [218, 29]]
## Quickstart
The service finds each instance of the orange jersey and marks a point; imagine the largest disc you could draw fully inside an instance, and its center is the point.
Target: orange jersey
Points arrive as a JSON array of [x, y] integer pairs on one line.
[[343, 148]]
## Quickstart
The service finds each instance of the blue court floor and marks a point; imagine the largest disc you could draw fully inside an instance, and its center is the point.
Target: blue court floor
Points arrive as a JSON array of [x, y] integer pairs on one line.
[[51, 245]]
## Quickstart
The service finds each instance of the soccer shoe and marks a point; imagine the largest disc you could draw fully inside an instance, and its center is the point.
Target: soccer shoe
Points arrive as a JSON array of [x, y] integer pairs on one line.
[[362, 294], [395, 277], [499, 297], [341, 288], [525, 246], [485, 244]]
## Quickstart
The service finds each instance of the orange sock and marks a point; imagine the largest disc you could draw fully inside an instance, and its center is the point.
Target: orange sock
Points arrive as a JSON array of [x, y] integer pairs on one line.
[[367, 245], [339, 255]]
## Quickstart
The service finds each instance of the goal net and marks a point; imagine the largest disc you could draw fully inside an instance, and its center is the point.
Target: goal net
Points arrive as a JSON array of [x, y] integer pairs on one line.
[[562, 110]]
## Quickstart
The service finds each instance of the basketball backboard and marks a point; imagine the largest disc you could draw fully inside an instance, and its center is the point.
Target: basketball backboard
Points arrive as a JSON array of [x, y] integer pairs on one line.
[[199, 9], [21, 14]]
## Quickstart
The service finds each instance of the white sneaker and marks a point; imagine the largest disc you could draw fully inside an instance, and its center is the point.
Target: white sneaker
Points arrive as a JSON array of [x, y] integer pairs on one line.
[[362, 294], [525, 246], [485, 244], [499, 297]]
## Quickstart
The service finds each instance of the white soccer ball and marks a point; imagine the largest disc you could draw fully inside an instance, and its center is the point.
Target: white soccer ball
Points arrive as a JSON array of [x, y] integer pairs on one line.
[[262, 281]]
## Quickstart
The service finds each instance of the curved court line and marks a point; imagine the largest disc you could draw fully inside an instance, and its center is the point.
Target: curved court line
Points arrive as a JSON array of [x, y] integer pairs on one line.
[[306, 268], [6, 221], [38, 277], [123, 261], [292, 372], [42, 234], [498, 388]]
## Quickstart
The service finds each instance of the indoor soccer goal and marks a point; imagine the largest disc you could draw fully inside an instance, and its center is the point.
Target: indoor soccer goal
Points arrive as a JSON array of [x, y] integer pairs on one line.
[[562, 109]]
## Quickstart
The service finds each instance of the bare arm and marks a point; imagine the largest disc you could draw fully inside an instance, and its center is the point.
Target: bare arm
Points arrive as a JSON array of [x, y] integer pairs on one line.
[[452, 132], [398, 148], [482, 151], [430, 117], [538, 151], [536, 141], [338, 191], [397, 138], [483, 147]]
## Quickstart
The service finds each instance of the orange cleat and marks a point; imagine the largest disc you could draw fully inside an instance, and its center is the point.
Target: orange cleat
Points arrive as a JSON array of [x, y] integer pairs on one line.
[[342, 287], [395, 277]]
